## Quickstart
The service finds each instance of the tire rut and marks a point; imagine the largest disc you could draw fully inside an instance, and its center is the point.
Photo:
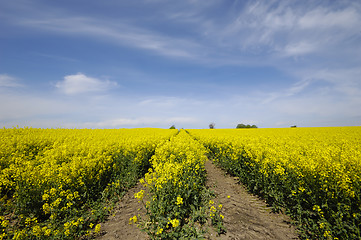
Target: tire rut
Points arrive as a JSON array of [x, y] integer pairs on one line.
[[117, 225], [245, 215]]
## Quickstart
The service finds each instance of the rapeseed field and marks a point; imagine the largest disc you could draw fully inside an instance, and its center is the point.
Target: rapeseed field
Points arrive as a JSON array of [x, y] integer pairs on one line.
[[61, 183]]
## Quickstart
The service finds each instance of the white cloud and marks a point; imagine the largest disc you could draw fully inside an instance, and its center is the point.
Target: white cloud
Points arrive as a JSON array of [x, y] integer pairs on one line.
[[169, 102], [326, 18], [8, 81], [26, 106], [118, 33], [327, 96], [268, 28], [285, 29], [299, 48], [80, 83], [345, 82], [140, 122], [315, 44], [294, 89]]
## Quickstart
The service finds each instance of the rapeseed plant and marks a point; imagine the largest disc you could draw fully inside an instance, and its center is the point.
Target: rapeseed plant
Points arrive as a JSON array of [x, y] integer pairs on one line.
[[313, 173], [55, 182]]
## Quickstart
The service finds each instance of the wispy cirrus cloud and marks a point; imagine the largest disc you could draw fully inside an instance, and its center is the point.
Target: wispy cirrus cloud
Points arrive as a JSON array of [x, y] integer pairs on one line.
[[141, 122], [346, 82], [80, 83], [117, 33], [310, 48], [9, 81], [290, 29], [293, 90], [272, 29], [325, 18]]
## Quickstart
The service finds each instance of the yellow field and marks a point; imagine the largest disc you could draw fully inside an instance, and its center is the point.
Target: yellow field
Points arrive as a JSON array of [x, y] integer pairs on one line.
[[53, 182], [313, 173], [59, 183], [175, 185]]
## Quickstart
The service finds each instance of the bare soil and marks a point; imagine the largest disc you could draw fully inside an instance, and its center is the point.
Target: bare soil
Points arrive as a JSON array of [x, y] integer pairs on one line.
[[117, 226], [245, 215]]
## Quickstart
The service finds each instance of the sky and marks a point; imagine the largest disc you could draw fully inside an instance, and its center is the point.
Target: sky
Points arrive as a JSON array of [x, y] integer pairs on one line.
[[189, 63]]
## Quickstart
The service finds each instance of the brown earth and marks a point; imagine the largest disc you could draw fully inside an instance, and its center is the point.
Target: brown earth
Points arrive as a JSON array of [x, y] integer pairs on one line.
[[117, 226], [245, 215]]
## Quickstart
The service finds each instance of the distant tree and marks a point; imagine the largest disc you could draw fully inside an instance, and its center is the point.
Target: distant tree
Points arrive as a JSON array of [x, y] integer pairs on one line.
[[211, 125], [293, 126], [172, 127], [241, 125]]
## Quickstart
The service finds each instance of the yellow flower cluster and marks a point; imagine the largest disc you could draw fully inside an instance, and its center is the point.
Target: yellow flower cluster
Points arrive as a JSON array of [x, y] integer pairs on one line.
[[179, 200], [174, 157], [133, 219], [97, 228], [159, 231], [139, 195], [310, 171], [174, 222], [50, 174], [176, 178]]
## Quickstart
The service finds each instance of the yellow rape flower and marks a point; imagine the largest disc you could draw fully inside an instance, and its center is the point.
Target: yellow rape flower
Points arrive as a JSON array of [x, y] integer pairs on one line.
[[5, 223], [46, 197], [139, 195], [37, 230], [97, 228], [160, 230], [174, 222], [133, 219], [47, 232], [327, 234], [179, 200]]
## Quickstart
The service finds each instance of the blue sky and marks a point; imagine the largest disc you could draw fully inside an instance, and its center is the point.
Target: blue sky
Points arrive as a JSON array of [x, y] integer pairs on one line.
[[155, 63]]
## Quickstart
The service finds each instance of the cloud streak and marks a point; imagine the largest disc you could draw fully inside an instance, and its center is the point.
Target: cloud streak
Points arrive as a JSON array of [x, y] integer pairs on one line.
[[275, 29], [120, 34], [194, 62], [7, 81], [80, 83], [140, 122]]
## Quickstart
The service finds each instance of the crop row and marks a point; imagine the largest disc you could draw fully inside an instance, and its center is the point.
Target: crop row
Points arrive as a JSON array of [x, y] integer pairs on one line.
[[55, 183], [178, 203], [314, 174]]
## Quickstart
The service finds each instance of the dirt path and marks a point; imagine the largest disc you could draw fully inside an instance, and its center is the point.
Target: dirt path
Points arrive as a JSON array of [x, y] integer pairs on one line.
[[117, 226], [245, 216]]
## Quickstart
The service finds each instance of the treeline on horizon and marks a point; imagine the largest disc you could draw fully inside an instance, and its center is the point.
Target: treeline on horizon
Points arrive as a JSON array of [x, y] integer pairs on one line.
[[212, 126]]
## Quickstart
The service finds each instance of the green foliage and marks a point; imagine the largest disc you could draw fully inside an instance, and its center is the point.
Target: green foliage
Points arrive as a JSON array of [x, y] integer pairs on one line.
[[60, 183], [311, 174], [241, 125], [177, 205]]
